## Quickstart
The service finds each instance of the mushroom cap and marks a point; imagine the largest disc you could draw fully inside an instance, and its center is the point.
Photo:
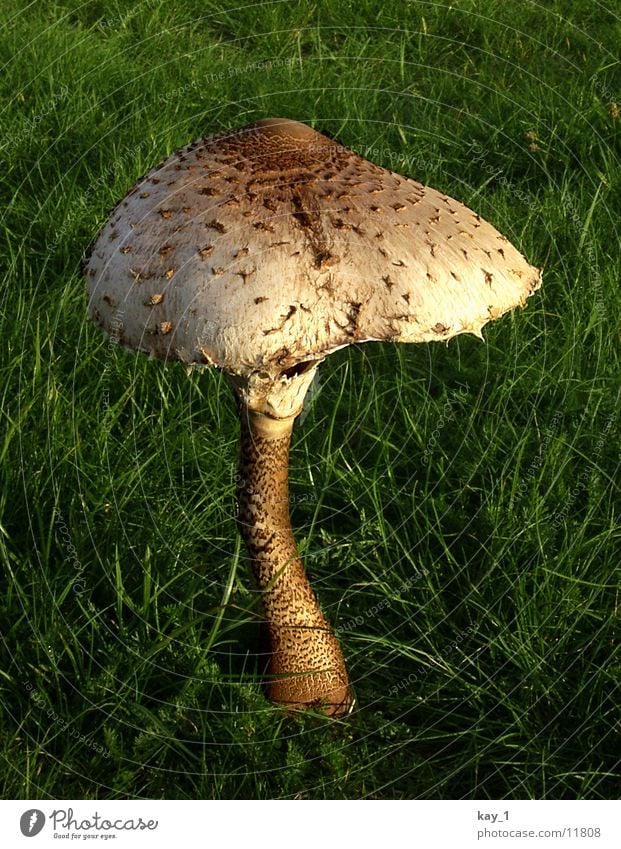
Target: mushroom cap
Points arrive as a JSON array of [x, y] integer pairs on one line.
[[263, 249]]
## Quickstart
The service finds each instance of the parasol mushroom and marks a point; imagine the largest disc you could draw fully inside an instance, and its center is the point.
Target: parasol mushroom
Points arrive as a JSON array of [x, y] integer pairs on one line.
[[261, 251]]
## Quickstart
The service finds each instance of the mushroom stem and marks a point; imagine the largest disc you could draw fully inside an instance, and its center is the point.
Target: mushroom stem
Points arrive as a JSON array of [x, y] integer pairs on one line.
[[305, 665]]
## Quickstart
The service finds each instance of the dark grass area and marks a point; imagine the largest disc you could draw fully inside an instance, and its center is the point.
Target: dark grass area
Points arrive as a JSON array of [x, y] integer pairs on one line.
[[457, 506]]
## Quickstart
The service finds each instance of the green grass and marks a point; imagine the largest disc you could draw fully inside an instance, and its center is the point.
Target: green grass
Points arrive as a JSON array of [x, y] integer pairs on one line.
[[457, 506]]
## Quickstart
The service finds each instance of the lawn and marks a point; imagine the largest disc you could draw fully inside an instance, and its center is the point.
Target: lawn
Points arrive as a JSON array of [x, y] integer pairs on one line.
[[457, 505]]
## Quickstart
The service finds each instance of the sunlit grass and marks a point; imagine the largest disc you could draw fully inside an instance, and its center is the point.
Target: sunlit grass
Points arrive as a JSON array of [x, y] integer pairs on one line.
[[457, 506]]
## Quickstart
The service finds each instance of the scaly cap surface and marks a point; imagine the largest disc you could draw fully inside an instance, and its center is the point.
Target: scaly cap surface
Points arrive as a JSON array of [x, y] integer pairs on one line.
[[261, 250]]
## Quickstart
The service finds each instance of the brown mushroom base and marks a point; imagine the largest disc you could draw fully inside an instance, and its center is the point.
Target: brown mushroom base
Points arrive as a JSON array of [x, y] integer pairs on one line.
[[306, 667]]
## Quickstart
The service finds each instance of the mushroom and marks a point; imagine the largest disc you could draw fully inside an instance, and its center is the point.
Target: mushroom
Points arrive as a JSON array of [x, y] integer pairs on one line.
[[261, 251]]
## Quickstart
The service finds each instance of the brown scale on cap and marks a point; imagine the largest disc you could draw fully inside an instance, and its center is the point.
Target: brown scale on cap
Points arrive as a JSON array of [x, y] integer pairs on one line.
[[263, 250]]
